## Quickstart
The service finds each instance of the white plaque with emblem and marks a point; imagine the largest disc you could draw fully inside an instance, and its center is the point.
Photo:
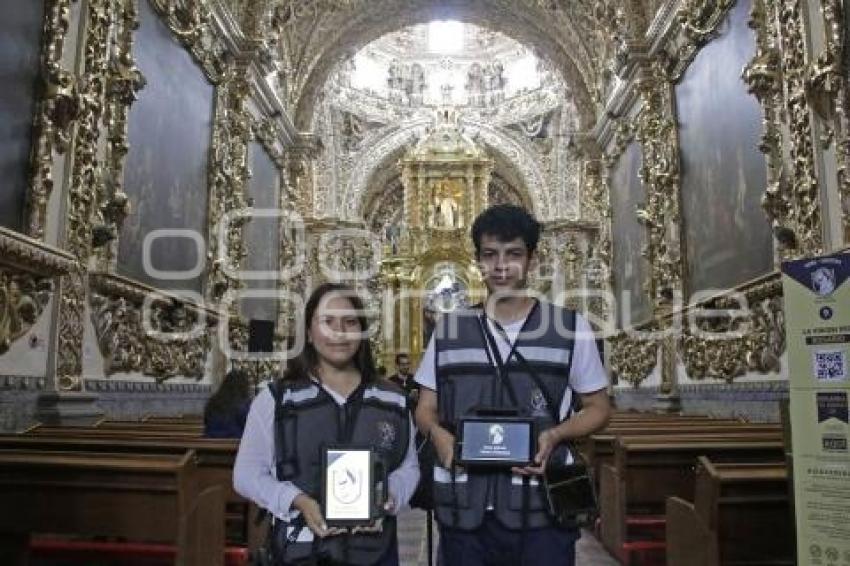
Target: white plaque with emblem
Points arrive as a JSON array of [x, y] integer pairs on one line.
[[349, 486]]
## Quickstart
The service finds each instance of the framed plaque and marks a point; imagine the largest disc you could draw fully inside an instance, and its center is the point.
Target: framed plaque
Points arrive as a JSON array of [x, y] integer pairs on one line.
[[496, 441], [352, 486]]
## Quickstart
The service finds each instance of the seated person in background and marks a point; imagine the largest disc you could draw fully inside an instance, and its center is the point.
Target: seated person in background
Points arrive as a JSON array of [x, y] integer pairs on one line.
[[404, 379], [227, 408], [329, 394]]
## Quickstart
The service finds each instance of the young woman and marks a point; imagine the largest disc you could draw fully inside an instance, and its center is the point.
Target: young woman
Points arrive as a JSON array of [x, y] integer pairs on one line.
[[330, 394], [227, 408]]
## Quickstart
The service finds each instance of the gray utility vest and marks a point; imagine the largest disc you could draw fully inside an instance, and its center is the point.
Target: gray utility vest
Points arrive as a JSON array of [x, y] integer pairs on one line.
[[306, 419], [467, 378]]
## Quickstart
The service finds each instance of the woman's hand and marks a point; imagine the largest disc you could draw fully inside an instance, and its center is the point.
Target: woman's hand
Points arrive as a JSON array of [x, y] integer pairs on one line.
[[312, 514], [390, 506]]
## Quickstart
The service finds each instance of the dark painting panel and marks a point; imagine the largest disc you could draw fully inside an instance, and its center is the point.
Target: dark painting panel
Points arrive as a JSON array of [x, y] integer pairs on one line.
[[727, 236], [20, 49], [170, 129], [262, 238], [630, 268]]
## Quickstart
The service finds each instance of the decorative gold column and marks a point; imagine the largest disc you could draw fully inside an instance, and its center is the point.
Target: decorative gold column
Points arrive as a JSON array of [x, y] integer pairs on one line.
[[445, 177]]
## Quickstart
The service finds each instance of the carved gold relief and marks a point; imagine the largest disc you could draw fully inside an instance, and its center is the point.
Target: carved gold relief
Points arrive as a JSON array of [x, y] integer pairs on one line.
[[57, 110], [806, 198], [659, 173], [142, 330], [228, 180], [763, 75], [258, 369], [727, 341], [191, 23], [124, 81], [633, 359], [827, 91], [27, 273], [86, 183], [699, 20], [785, 86], [300, 158]]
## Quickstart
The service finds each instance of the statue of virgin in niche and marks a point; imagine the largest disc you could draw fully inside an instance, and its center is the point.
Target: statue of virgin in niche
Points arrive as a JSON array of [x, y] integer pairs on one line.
[[446, 213]]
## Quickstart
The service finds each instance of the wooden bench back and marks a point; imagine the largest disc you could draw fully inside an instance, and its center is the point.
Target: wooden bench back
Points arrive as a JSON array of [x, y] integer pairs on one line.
[[747, 507], [143, 497]]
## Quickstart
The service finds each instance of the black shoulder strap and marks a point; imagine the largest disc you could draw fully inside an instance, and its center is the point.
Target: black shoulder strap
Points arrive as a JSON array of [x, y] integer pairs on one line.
[[492, 350], [553, 410]]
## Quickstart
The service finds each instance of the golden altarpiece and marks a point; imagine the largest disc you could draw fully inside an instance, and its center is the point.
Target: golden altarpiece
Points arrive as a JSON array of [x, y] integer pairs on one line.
[[431, 269]]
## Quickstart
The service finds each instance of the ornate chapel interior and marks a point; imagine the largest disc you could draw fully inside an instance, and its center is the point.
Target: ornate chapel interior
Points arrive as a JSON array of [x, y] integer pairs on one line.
[[178, 174]]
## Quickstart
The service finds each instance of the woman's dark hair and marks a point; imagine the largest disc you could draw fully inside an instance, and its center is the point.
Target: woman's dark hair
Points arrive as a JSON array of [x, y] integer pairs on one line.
[[305, 363], [235, 389], [506, 222]]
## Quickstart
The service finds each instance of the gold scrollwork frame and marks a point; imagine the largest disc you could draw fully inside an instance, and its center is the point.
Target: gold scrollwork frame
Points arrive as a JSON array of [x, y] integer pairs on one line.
[[56, 112], [780, 78]]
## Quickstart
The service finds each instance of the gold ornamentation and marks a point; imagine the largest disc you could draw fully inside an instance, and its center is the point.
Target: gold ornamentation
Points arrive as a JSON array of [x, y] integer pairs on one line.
[[805, 198], [300, 159], [727, 346], [763, 75], [699, 20], [86, 182], [258, 369], [779, 77], [158, 341], [72, 297], [633, 359], [828, 95], [228, 182], [190, 22], [55, 114], [28, 268], [659, 173], [124, 81]]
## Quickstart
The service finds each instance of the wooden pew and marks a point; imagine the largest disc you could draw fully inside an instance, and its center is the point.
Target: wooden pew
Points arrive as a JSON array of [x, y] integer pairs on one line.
[[598, 450], [649, 469], [654, 422], [109, 433], [183, 419], [139, 497], [741, 514], [214, 457], [151, 427]]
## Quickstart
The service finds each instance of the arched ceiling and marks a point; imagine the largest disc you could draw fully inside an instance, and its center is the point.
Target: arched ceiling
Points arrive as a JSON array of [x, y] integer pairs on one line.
[[315, 35]]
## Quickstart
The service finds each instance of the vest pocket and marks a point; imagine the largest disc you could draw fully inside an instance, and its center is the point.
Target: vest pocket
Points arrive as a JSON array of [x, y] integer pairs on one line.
[[447, 494], [536, 497]]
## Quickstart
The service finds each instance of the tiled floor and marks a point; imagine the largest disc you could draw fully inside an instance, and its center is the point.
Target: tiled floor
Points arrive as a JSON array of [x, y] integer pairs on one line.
[[413, 549]]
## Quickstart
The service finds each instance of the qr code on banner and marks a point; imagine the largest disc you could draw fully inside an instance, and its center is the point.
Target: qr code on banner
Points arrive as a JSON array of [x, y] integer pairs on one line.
[[830, 365]]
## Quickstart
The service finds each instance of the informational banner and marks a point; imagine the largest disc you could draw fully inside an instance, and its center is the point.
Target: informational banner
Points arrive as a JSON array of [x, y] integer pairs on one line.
[[817, 321]]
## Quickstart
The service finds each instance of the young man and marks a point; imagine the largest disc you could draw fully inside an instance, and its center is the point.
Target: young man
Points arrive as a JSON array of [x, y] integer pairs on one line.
[[404, 379], [490, 516]]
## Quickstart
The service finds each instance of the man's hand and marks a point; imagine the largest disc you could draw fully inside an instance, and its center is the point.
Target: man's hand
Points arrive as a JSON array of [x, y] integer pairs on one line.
[[546, 442], [375, 528], [312, 514], [444, 445]]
